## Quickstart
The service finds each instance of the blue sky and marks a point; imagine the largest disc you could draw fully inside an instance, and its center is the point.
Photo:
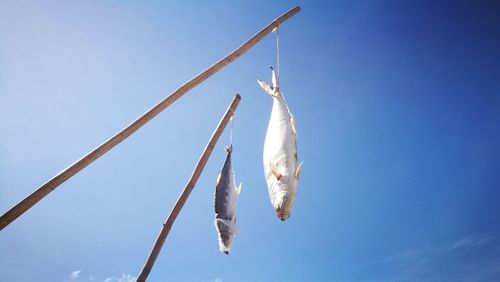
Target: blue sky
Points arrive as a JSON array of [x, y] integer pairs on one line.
[[398, 113]]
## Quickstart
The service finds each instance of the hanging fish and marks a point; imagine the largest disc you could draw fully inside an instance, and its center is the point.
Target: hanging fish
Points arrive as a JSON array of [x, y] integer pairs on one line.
[[226, 194], [281, 167]]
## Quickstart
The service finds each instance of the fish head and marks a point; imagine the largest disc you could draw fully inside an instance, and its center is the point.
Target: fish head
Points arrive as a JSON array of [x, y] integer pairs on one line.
[[284, 208], [283, 202], [226, 232], [225, 241]]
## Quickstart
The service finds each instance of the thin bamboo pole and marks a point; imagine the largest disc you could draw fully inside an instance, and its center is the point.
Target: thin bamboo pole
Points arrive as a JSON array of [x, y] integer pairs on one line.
[[162, 236], [20, 208]]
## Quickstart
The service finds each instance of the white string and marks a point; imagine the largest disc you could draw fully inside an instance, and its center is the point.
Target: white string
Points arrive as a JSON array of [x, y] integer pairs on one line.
[[278, 55], [231, 131]]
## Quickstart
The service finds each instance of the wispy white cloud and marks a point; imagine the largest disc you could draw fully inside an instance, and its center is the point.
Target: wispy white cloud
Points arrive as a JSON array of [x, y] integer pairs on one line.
[[217, 280], [471, 258], [437, 251], [124, 278], [470, 241], [75, 274]]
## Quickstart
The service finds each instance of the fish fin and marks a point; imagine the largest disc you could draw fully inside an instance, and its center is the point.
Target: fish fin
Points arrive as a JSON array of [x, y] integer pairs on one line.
[[238, 189], [229, 148], [266, 87], [218, 178], [294, 125], [298, 170], [275, 172]]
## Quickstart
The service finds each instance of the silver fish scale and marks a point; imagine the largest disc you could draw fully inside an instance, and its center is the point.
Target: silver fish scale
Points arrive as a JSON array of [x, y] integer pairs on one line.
[[223, 192], [225, 198]]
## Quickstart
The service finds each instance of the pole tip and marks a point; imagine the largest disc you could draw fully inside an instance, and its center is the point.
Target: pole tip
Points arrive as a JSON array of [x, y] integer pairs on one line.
[[238, 97]]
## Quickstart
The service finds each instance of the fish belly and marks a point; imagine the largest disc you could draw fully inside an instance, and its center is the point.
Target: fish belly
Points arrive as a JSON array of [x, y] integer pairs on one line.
[[225, 206], [280, 150]]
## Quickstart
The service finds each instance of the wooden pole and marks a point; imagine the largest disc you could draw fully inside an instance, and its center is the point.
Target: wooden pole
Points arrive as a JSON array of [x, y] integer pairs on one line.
[[162, 236], [20, 208]]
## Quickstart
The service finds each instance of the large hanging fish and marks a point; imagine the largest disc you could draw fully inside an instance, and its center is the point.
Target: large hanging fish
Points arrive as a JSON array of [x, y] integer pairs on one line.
[[281, 167], [226, 194]]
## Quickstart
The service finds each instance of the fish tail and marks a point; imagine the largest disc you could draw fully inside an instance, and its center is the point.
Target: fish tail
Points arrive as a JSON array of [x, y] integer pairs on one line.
[[274, 81], [264, 85], [270, 89]]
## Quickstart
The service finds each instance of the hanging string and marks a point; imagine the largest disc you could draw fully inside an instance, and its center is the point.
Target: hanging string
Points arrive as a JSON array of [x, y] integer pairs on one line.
[[278, 55], [231, 131]]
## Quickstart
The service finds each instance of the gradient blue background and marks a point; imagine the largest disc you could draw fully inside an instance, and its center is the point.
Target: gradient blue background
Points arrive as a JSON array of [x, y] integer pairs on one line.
[[398, 112]]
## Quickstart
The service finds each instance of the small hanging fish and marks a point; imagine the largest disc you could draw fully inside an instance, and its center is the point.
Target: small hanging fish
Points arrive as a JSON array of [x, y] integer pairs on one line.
[[281, 167], [226, 194]]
